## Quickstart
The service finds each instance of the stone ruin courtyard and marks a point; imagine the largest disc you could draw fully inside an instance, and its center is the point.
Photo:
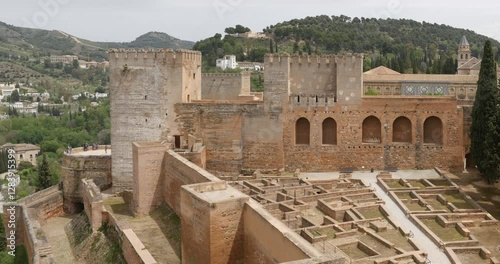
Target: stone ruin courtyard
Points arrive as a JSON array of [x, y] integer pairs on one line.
[[406, 217]]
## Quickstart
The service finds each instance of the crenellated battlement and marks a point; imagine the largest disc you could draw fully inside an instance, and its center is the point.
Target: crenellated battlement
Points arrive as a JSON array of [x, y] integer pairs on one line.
[[349, 58], [221, 75], [155, 54], [325, 60], [270, 59]]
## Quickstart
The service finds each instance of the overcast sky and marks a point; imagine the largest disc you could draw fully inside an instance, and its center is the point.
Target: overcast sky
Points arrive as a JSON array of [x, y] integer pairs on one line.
[[124, 20]]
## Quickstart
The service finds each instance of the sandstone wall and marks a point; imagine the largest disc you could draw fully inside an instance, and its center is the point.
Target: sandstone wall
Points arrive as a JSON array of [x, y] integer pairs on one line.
[[350, 150], [211, 222], [76, 167], [224, 86], [177, 172], [313, 75], [144, 87], [133, 249], [148, 183], [92, 201], [266, 240]]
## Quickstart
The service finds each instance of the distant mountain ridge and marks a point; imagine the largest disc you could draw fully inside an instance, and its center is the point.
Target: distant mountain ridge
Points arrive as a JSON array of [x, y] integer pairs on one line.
[[18, 41]]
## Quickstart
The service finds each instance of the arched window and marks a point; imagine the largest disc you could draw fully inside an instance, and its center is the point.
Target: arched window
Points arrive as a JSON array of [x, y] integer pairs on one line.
[[329, 132], [372, 130], [433, 131], [401, 130], [302, 131]]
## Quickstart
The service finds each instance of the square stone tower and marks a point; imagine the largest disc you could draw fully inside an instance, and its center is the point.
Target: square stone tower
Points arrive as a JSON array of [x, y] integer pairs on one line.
[[145, 85]]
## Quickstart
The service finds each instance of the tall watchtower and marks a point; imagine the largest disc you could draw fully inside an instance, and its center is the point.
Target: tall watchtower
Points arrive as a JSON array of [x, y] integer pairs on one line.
[[464, 53], [145, 85]]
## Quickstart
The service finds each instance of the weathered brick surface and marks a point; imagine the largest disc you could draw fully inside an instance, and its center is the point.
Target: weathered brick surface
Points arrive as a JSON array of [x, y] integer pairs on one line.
[[144, 87], [350, 151], [77, 167], [148, 184], [224, 86], [177, 172], [265, 241]]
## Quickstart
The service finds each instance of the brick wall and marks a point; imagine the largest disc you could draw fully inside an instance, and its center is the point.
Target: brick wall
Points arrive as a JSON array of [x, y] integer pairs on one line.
[[76, 167], [177, 172], [350, 151], [148, 185]]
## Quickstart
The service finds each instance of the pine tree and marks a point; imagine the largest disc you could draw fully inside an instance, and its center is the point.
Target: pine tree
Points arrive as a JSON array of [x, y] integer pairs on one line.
[[485, 134], [44, 177]]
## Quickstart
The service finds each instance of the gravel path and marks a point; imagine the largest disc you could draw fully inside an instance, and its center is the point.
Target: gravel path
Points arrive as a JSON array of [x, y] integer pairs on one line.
[[58, 240]]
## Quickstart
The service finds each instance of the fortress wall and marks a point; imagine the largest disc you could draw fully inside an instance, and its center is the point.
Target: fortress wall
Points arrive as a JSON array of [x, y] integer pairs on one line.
[[148, 183], [350, 151], [313, 74], [221, 126], [349, 78], [48, 203], [262, 142], [29, 233], [224, 86], [92, 201], [145, 86], [267, 239], [177, 172], [76, 167], [211, 222]]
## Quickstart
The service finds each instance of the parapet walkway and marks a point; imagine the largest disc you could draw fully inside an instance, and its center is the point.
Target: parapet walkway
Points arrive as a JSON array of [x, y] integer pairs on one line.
[[435, 255]]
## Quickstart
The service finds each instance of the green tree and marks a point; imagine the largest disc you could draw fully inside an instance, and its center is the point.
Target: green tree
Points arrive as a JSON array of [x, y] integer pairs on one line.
[[44, 177], [14, 97], [241, 29], [485, 134], [230, 30]]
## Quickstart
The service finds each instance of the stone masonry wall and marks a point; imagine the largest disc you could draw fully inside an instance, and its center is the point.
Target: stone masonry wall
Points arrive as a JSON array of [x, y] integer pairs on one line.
[[144, 87], [264, 239], [177, 172], [350, 151], [313, 75], [76, 167], [148, 184], [225, 86]]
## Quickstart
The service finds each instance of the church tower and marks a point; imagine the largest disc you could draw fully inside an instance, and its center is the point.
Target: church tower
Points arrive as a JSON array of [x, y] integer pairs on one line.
[[464, 53]]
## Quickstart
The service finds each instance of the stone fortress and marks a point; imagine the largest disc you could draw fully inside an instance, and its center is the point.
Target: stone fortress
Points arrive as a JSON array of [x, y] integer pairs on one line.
[[224, 159]]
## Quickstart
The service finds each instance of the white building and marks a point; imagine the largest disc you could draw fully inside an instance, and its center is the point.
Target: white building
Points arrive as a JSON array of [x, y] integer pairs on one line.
[[228, 62], [101, 95]]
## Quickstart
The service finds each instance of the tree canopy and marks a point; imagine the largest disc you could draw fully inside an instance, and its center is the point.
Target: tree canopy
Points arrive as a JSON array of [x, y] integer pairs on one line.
[[485, 128]]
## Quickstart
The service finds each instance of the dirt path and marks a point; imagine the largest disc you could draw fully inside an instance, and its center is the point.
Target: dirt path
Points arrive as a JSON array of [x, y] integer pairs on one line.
[[54, 231], [487, 196], [421, 240]]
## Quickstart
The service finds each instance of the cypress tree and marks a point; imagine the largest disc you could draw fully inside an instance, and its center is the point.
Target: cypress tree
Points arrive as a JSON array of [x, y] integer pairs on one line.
[[485, 131], [271, 46], [44, 178]]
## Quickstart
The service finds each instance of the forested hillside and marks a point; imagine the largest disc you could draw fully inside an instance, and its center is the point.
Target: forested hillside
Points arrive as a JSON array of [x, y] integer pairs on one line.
[[401, 44]]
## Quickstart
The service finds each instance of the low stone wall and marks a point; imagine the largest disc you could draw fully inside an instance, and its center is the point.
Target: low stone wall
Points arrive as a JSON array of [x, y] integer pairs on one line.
[[92, 202], [133, 249], [83, 165], [268, 240], [178, 171], [28, 232], [47, 203]]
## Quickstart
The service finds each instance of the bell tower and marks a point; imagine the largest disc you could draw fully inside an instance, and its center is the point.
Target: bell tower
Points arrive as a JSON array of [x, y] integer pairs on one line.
[[464, 53]]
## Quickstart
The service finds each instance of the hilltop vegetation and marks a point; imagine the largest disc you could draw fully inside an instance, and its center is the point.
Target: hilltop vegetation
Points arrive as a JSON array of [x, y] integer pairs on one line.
[[401, 44], [36, 43]]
